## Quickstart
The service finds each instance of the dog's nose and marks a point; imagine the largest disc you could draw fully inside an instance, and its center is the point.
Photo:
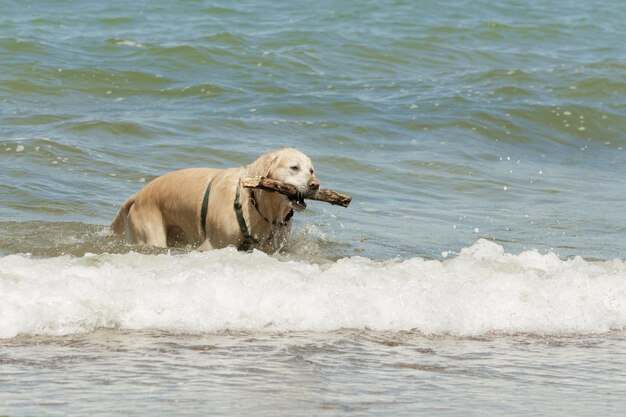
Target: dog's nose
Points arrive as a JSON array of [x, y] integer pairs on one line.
[[314, 184]]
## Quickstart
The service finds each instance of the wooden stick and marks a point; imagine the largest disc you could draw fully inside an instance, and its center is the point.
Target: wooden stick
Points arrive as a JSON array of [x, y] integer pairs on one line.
[[329, 196]]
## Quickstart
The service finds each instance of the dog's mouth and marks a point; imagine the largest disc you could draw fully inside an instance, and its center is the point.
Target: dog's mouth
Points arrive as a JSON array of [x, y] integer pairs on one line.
[[297, 203]]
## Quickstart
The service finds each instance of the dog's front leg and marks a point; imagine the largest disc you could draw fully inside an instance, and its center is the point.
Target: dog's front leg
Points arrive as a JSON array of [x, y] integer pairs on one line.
[[206, 245]]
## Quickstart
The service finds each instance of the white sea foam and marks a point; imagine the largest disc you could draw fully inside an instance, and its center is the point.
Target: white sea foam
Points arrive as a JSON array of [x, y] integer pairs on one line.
[[481, 290], [130, 43]]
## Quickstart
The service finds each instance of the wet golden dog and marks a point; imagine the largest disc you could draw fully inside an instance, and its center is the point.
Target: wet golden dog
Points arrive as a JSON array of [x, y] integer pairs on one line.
[[210, 208]]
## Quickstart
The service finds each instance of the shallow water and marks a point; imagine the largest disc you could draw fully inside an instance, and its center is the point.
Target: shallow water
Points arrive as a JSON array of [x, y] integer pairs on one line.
[[479, 270], [331, 373]]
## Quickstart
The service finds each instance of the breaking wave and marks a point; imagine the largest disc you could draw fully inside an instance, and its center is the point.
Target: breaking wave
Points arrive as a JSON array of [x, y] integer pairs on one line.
[[482, 290]]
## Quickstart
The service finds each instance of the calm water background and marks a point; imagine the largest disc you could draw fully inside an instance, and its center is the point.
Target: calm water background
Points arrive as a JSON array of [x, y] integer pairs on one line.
[[448, 122]]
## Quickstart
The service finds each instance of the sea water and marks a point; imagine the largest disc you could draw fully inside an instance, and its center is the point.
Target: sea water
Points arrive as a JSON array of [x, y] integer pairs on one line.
[[480, 269]]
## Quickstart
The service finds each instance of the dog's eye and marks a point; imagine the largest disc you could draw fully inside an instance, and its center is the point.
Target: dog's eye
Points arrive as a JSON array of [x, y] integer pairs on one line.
[[295, 168], [311, 171]]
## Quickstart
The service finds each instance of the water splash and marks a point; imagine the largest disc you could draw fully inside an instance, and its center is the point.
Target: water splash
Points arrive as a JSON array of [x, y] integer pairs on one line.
[[482, 290]]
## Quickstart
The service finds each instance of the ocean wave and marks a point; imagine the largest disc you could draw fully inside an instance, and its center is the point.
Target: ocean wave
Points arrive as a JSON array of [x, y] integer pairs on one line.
[[482, 290]]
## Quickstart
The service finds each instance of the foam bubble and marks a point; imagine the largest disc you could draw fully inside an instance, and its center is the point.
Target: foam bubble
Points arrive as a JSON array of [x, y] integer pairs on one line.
[[482, 290], [131, 43]]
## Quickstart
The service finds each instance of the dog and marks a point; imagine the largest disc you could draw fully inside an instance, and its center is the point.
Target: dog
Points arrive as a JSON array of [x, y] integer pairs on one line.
[[210, 208]]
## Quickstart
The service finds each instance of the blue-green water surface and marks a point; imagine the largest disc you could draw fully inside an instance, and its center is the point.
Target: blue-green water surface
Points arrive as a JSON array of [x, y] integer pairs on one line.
[[447, 122]]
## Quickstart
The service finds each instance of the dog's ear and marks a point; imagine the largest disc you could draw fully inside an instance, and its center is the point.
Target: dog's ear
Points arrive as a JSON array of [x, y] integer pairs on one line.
[[264, 166], [271, 167]]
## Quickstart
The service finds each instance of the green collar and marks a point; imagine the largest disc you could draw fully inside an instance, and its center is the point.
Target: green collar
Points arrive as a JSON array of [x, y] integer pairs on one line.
[[248, 240], [256, 206]]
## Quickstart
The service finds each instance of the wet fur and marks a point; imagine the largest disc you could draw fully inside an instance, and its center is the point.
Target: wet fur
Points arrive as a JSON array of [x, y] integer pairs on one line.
[[167, 210]]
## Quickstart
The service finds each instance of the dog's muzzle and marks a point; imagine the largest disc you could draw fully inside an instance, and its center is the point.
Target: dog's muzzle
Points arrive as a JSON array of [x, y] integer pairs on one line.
[[298, 203]]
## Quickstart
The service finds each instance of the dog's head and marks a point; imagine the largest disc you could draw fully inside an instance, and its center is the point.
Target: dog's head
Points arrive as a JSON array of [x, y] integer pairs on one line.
[[290, 166]]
